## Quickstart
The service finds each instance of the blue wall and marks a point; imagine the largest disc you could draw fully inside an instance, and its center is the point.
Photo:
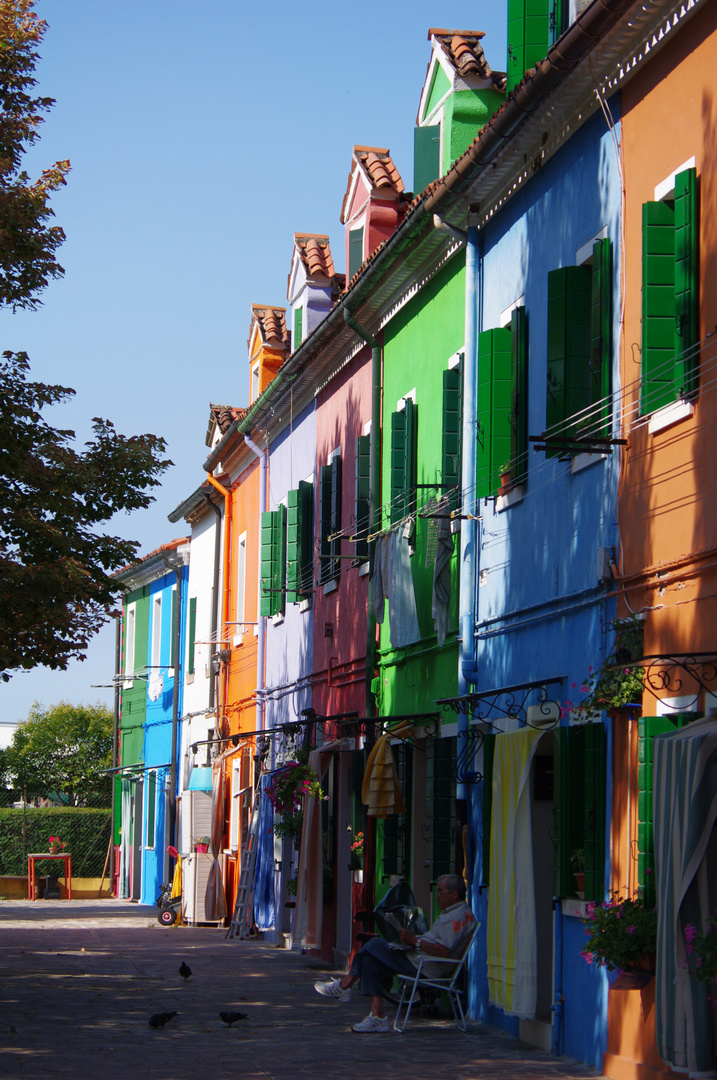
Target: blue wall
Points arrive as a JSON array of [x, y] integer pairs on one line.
[[541, 612]]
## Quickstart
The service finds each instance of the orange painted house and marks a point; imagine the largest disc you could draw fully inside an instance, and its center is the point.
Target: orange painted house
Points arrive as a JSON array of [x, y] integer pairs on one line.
[[667, 513]]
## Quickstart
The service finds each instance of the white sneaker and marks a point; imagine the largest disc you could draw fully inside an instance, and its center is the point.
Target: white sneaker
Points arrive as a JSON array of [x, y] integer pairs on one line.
[[373, 1025], [332, 989]]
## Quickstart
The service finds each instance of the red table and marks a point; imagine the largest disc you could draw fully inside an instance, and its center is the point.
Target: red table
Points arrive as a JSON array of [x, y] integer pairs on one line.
[[65, 856]]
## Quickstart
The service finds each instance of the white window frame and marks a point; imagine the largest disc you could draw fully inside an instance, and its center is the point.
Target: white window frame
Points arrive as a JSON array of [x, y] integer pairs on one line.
[[130, 643], [240, 589], [156, 653]]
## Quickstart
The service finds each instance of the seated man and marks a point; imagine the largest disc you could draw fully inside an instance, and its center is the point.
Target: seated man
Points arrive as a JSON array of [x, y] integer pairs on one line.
[[377, 959]]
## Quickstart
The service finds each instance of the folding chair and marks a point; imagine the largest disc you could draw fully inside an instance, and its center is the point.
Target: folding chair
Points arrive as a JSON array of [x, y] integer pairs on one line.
[[447, 983]]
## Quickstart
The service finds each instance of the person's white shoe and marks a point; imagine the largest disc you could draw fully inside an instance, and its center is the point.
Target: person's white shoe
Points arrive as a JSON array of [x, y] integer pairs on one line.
[[332, 989], [373, 1025]]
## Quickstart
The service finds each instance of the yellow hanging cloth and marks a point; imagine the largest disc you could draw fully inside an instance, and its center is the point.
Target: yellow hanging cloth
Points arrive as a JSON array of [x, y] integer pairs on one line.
[[177, 886], [381, 790]]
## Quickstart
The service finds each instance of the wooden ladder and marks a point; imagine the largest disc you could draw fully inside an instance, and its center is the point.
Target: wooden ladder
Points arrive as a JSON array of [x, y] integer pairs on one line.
[[239, 926]]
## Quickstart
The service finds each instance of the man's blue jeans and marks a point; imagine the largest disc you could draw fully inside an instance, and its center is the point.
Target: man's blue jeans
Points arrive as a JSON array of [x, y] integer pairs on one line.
[[375, 962]]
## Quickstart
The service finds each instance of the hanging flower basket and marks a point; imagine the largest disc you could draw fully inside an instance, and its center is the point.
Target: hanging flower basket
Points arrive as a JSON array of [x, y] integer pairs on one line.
[[286, 793], [622, 933]]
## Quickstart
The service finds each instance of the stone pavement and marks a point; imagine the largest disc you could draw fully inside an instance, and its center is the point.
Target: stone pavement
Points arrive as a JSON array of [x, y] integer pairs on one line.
[[79, 980]]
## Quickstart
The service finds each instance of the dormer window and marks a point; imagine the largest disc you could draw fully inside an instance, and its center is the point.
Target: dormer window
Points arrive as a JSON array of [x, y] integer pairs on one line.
[[373, 205]]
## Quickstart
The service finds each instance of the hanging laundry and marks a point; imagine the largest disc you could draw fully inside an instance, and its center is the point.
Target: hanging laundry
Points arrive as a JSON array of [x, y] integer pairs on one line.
[[402, 614], [381, 790]]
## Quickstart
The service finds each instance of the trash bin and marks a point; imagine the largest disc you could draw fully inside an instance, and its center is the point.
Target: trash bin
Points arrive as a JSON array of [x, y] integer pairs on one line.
[[52, 887]]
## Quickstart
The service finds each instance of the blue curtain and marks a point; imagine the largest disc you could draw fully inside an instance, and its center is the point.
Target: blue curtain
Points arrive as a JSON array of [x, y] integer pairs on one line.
[[264, 906]]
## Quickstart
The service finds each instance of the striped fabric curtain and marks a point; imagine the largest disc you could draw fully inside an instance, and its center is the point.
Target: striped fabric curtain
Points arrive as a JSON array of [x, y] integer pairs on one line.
[[512, 944], [685, 811]]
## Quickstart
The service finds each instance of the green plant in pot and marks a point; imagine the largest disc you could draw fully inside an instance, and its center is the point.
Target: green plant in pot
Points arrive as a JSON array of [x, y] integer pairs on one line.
[[577, 863]]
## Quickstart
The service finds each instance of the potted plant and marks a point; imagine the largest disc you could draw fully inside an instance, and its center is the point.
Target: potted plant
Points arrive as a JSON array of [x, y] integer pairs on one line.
[[289, 785], [618, 682], [505, 483], [201, 844], [56, 845], [577, 862], [622, 933]]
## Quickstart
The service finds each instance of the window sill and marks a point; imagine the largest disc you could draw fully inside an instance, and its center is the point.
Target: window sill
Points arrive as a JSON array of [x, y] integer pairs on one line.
[[237, 640], [277, 620], [190, 679], [584, 461], [305, 605], [364, 569], [669, 415], [511, 498], [577, 908], [330, 586]]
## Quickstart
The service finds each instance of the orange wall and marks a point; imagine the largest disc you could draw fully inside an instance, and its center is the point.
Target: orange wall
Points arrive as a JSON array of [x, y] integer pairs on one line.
[[668, 513], [242, 678]]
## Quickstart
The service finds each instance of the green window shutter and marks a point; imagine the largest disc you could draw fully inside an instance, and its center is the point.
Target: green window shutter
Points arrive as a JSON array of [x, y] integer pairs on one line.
[[361, 496], [569, 346], [293, 570], [488, 756], [266, 553], [594, 810], [355, 252], [440, 805], [579, 807], [495, 385], [306, 538], [336, 516], [658, 305], [192, 634], [451, 444], [298, 326], [519, 395], [686, 279], [324, 525], [601, 334], [273, 561], [426, 156], [529, 34], [151, 807], [403, 461]]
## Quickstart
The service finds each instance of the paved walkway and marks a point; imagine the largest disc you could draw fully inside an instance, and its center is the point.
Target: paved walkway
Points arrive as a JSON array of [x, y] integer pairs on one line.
[[79, 980]]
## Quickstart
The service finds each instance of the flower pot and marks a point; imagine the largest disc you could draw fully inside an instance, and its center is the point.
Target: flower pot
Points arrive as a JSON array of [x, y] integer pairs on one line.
[[505, 484], [54, 849], [580, 882], [202, 849]]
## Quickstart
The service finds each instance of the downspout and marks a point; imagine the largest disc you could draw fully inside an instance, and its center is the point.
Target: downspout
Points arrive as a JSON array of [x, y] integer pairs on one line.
[[373, 500], [225, 591], [261, 620], [215, 588], [175, 702], [115, 736]]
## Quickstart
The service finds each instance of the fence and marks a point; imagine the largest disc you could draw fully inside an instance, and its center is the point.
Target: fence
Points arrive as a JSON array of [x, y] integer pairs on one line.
[[24, 829]]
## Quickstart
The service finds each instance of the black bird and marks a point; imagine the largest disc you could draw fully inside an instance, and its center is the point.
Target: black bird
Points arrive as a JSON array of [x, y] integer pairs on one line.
[[160, 1019], [185, 971], [230, 1018]]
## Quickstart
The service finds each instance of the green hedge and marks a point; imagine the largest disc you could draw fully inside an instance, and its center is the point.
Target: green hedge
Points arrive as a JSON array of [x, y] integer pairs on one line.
[[85, 831]]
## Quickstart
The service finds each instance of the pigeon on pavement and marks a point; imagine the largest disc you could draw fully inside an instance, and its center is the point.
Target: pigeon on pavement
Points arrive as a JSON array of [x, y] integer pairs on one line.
[[230, 1018], [184, 970], [160, 1019]]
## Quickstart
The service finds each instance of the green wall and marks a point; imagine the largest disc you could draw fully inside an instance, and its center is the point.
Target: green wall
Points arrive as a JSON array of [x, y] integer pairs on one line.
[[466, 112]]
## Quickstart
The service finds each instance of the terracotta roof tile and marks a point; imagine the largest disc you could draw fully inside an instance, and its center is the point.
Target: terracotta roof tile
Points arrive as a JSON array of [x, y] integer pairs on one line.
[[226, 415], [272, 324], [464, 50], [379, 166], [315, 253]]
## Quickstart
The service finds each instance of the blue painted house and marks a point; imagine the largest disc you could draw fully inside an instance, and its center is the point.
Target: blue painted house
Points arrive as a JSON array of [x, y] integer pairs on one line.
[[154, 639]]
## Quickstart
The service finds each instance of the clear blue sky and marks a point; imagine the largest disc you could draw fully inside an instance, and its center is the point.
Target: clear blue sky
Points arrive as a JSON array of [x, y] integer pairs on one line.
[[202, 136]]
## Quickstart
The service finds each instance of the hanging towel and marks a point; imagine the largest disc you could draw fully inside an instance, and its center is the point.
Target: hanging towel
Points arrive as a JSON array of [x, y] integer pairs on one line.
[[512, 945], [263, 885], [402, 615], [441, 605], [156, 685], [685, 812], [381, 790]]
